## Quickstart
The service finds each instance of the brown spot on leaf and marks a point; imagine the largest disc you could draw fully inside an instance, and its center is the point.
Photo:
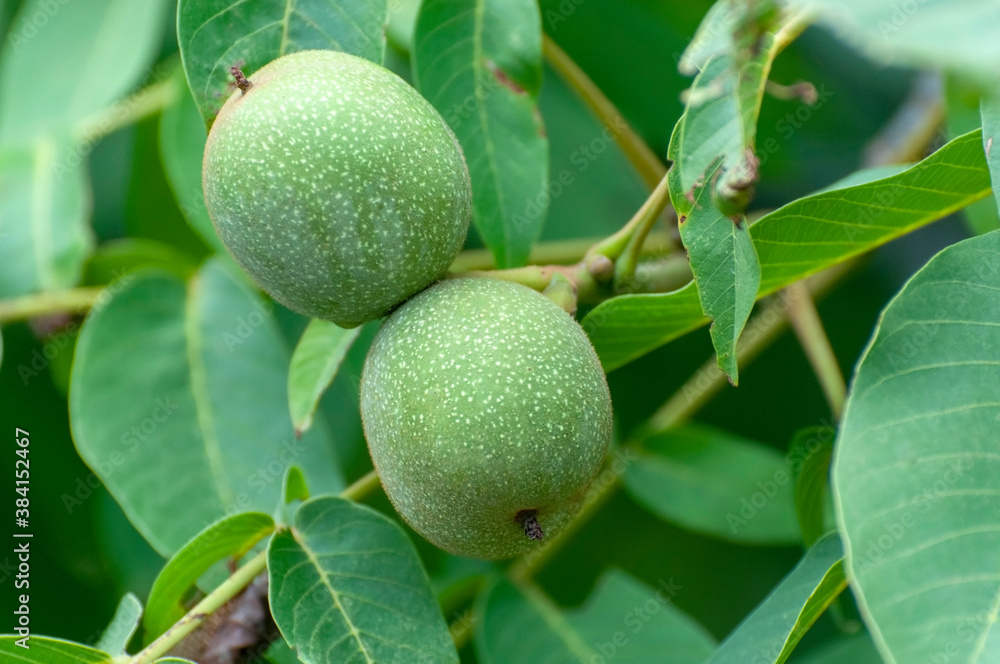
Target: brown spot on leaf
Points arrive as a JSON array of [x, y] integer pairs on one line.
[[539, 122], [504, 79]]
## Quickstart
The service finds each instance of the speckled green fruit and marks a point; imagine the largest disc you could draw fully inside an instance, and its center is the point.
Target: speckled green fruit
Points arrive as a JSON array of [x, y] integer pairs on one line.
[[336, 186], [484, 402]]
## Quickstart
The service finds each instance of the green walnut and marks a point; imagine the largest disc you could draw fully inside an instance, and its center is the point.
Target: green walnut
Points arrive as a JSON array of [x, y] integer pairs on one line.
[[335, 185], [487, 415]]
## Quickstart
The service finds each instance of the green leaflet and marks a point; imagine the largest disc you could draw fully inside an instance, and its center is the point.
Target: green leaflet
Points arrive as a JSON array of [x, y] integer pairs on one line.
[[215, 35], [916, 464], [345, 584], [801, 239], [623, 621], [479, 62], [178, 402]]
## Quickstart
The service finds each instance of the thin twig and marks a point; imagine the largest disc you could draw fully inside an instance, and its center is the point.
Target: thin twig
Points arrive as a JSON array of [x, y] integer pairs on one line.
[[763, 329], [600, 492], [911, 128], [645, 161], [628, 260], [128, 111], [615, 245], [461, 629], [74, 300], [558, 252], [362, 486], [812, 337], [230, 588], [212, 602]]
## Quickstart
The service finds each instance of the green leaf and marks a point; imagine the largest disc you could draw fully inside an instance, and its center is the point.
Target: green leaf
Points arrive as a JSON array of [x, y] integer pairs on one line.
[[214, 35], [280, 653], [628, 621], [726, 272], [941, 34], [231, 537], [479, 62], [122, 627], [810, 452], [44, 205], [315, 362], [177, 402], [712, 39], [714, 166], [182, 146], [856, 649], [723, 106], [802, 238], [295, 486], [174, 660], [44, 650], [622, 621], [846, 222], [771, 632], [402, 24], [88, 54], [966, 104], [715, 483], [345, 584], [521, 624], [917, 469], [991, 139], [113, 260]]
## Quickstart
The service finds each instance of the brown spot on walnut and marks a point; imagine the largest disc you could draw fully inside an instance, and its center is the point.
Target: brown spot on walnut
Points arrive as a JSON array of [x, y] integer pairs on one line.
[[529, 520]]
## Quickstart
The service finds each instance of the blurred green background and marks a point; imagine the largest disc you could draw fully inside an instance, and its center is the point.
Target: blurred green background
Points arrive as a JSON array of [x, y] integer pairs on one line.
[[86, 554]]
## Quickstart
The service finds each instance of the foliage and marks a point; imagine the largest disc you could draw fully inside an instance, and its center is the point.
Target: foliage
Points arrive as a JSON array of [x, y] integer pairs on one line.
[[213, 459]]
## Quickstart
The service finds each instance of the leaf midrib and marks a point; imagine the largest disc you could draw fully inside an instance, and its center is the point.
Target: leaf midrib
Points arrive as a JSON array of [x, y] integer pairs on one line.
[[324, 579], [41, 212], [557, 622], [484, 121], [201, 393], [285, 21]]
